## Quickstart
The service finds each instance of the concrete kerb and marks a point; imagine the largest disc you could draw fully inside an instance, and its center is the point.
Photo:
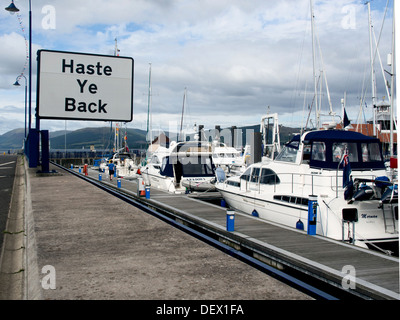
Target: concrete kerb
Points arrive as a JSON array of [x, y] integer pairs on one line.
[[13, 249], [32, 286]]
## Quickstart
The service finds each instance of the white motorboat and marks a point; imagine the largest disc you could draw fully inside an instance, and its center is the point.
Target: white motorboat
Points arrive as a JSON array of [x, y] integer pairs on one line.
[[124, 163], [231, 160], [180, 168], [363, 212]]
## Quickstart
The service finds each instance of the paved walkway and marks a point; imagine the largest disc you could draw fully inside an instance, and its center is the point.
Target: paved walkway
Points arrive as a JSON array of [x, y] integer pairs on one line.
[[91, 245]]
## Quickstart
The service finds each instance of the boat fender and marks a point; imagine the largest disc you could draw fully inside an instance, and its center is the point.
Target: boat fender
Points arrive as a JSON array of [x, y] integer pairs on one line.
[[220, 173], [255, 213], [364, 193], [382, 182], [300, 225]]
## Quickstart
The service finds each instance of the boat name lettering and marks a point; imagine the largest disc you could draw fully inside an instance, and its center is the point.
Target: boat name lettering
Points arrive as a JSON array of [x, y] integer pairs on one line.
[[364, 216]]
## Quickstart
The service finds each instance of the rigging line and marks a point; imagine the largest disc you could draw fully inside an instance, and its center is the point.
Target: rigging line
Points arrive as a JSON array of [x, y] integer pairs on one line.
[[377, 49], [383, 72], [299, 62], [324, 73]]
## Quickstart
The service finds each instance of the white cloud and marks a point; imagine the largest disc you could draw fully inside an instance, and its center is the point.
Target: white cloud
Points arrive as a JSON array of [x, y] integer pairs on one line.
[[235, 57]]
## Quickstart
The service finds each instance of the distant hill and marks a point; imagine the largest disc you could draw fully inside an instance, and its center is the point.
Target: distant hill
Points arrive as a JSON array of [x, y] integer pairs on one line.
[[102, 138], [13, 139]]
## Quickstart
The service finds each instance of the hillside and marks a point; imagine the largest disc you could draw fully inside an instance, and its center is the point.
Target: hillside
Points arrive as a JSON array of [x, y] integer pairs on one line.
[[102, 138], [13, 139]]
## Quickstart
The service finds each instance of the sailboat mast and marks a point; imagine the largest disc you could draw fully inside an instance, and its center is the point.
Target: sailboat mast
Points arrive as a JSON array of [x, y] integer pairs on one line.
[[116, 141], [183, 109], [314, 73], [372, 67], [148, 108], [392, 84]]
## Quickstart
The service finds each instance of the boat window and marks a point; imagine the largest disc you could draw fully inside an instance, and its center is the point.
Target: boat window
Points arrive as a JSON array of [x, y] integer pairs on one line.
[[318, 151], [154, 159], [246, 175], [338, 149], [295, 200], [370, 152], [289, 152], [196, 166], [255, 174], [209, 168], [306, 153], [233, 183], [269, 177], [164, 163]]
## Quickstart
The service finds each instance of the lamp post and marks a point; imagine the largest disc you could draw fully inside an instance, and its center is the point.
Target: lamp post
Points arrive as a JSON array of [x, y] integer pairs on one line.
[[12, 9], [33, 135], [17, 84]]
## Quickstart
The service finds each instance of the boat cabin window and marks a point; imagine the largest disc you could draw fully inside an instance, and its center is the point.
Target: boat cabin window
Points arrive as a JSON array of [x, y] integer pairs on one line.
[[246, 175], [154, 159], [306, 152], [338, 149], [289, 152], [269, 177], [370, 152], [318, 151], [196, 166], [255, 174]]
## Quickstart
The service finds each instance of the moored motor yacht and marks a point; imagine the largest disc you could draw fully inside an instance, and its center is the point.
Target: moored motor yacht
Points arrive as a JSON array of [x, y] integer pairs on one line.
[[124, 163], [180, 168], [342, 171]]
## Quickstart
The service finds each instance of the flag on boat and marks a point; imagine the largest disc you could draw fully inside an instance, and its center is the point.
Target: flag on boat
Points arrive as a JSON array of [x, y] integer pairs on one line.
[[346, 120], [346, 170], [347, 180]]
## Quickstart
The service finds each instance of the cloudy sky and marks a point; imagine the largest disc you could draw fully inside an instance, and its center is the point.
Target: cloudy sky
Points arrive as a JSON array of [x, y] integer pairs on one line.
[[236, 58]]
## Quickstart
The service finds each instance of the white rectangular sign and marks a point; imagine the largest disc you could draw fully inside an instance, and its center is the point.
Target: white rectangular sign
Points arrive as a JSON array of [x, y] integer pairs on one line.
[[79, 86]]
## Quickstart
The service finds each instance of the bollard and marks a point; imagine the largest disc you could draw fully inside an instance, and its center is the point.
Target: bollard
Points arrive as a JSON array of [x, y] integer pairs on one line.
[[230, 220], [72, 166], [223, 203], [115, 173], [80, 170], [85, 169], [312, 215], [119, 183], [100, 176], [147, 192]]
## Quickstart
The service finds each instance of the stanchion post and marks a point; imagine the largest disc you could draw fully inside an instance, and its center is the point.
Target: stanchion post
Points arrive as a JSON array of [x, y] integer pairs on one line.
[[312, 215], [230, 220]]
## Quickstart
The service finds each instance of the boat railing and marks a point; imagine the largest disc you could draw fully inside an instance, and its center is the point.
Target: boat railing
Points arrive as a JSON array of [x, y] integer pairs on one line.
[[315, 182]]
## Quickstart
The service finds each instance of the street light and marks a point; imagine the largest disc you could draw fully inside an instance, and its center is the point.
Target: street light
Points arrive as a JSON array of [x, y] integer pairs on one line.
[[34, 146], [12, 8], [17, 85]]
